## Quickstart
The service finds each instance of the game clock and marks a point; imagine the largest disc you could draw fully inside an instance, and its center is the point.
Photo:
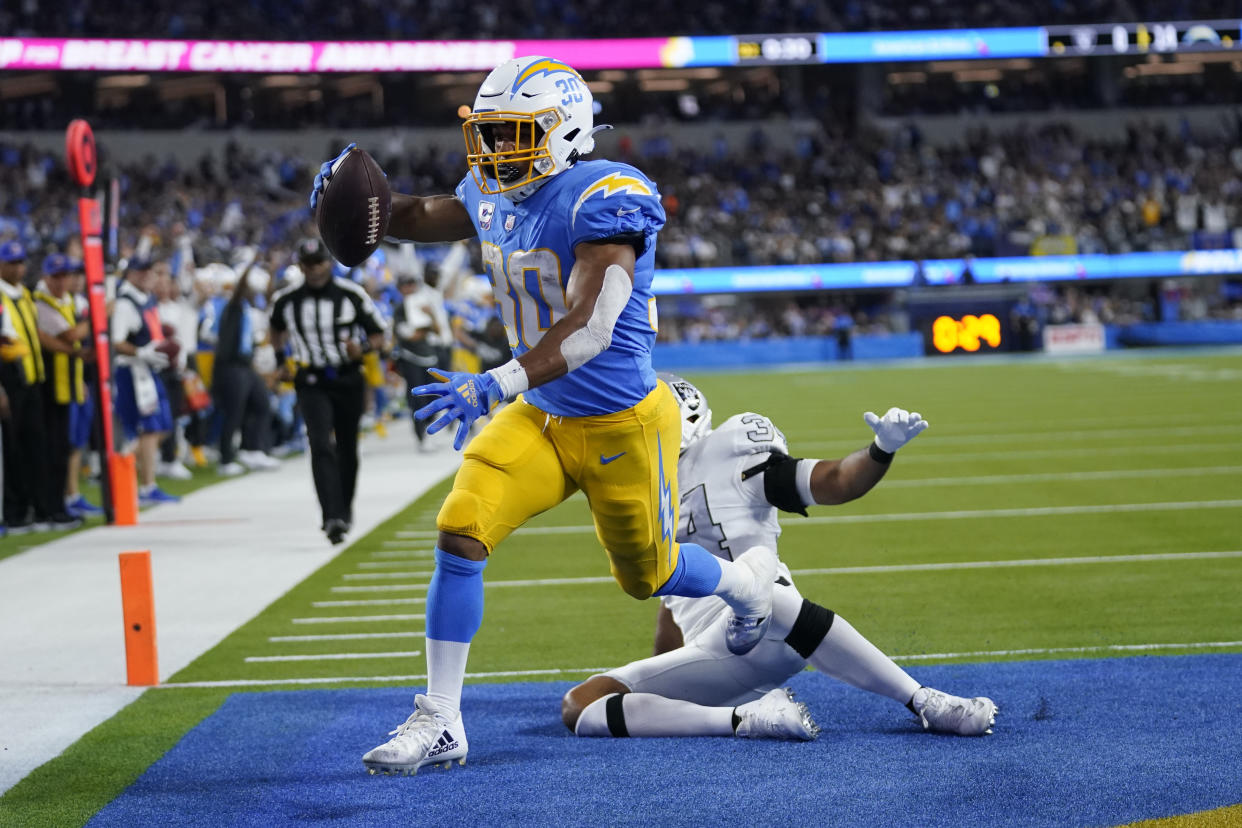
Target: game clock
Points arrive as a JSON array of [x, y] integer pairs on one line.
[[783, 48]]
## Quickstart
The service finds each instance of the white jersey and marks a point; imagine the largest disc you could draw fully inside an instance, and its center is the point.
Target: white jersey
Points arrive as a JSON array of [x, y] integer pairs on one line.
[[720, 511]]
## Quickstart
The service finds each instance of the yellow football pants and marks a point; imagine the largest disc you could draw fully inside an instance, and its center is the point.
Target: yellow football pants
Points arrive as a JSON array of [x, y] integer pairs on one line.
[[525, 461]]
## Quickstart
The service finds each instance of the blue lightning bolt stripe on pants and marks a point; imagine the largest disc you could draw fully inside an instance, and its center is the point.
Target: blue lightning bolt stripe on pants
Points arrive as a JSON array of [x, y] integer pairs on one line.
[[524, 462]]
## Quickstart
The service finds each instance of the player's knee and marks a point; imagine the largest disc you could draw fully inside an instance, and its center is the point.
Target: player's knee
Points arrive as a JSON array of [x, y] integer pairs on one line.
[[580, 697], [458, 517], [462, 546]]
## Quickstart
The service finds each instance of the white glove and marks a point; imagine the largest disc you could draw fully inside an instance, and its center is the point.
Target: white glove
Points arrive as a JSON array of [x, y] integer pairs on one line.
[[896, 428], [156, 359]]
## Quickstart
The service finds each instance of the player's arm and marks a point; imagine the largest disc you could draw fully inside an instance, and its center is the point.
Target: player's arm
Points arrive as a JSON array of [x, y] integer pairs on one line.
[[441, 218], [791, 484], [598, 289]]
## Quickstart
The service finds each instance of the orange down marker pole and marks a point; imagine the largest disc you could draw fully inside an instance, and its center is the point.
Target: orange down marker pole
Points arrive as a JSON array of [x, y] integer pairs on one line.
[[124, 480], [138, 609]]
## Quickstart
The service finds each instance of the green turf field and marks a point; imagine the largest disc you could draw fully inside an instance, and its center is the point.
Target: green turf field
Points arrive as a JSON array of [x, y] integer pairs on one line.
[[1054, 509]]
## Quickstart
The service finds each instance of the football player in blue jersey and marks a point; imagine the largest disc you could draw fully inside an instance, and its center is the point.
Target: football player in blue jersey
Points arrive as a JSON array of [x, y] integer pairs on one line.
[[569, 247]]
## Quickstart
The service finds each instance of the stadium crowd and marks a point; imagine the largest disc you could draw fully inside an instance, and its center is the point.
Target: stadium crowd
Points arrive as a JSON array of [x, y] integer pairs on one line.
[[441, 19], [869, 196]]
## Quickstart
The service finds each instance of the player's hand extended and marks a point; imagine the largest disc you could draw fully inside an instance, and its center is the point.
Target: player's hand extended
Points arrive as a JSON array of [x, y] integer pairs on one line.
[[461, 396], [896, 428], [325, 172]]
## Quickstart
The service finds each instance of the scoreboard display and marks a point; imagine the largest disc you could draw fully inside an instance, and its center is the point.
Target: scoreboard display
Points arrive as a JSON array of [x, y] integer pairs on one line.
[[778, 48], [1104, 39]]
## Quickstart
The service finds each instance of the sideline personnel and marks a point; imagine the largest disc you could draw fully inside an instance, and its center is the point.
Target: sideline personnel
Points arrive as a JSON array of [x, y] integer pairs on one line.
[[328, 324]]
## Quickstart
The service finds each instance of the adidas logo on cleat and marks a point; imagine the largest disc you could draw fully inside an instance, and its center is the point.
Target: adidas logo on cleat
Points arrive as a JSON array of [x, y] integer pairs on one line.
[[444, 744]]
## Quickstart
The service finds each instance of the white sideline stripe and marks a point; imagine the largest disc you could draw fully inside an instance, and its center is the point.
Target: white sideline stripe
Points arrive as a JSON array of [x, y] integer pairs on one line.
[[924, 567], [1095, 559], [923, 456], [378, 588], [384, 565], [276, 639], [346, 619], [360, 576], [1115, 474], [560, 671], [417, 534], [1103, 648], [332, 656], [417, 554], [400, 544], [1034, 511], [556, 671], [375, 602], [1082, 434]]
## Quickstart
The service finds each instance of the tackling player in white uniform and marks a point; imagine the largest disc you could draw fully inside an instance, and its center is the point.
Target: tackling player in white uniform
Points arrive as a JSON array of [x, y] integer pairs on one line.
[[733, 481]]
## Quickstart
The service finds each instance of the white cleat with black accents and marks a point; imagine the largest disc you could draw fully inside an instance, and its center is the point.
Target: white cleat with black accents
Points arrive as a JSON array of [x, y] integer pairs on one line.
[[943, 713], [428, 737], [775, 715], [752, 611]]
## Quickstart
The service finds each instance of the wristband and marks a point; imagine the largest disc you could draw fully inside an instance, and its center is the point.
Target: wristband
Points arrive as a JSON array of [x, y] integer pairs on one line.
[[803, 480], [511, 377], [879, 455]]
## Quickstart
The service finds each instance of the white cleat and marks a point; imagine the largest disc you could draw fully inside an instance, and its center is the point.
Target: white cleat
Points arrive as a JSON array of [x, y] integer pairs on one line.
[[775, 715], [752, 610], [943, 713], [428, 737]]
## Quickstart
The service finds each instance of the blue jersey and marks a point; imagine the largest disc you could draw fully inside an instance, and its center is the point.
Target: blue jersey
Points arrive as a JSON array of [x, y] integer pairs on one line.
[[528, 250]]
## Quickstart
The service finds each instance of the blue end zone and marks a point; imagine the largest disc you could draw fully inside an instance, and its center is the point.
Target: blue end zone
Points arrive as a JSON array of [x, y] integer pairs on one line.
[[1077, 742]]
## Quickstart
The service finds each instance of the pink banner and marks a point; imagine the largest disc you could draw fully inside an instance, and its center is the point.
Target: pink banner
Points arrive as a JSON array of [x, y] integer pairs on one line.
[[292, 57]]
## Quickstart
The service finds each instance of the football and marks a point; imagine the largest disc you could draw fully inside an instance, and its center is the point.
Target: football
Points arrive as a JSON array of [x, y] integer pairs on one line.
[[169, 345], [354, 208]]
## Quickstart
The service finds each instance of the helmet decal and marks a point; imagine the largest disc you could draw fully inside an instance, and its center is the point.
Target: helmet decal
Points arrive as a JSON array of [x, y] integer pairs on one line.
[[546, 66]]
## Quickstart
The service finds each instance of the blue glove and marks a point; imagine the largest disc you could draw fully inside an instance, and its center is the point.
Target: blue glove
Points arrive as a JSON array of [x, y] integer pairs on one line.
[[462, 397], [325, 172]]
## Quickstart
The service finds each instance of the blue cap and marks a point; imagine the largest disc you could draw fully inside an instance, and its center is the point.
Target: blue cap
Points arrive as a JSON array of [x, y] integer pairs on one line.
[[57, 263], [12, 251], [137, 263]]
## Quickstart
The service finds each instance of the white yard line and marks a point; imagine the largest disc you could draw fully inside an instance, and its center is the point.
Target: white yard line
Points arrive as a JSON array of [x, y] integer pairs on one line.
[[386, 565], [417, 554], [276, 639], [331, 656], [1019, 436], [378, 588], [576, 671], [1102, 648], [922, 567], [960, 514], [557, 671], [364, 576], [1114, 474], [373, 602], [355, 619], [925, 453]]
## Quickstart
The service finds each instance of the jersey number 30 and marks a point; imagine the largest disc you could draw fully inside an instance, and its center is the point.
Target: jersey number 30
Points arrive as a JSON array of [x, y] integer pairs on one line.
[[531, 281]]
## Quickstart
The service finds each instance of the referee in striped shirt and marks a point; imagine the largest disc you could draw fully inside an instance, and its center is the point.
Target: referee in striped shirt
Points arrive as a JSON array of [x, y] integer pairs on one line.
[[328, 324]]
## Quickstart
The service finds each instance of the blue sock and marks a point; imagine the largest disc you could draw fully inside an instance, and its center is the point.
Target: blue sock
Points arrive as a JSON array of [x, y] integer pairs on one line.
[[697, 573], [455, 598]]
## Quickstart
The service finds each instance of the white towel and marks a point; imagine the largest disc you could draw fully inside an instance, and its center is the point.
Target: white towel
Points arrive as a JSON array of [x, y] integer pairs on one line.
[[145, 395]]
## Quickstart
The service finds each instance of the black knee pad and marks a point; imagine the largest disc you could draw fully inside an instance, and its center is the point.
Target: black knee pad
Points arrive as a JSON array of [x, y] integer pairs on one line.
[[812, 625]]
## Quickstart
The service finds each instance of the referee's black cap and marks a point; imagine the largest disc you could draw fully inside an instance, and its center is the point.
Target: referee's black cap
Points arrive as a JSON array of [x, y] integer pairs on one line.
[[312, 251]]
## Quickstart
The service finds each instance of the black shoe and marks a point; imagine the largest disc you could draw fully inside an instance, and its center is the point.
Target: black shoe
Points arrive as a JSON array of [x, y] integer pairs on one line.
[[20, 527], [63, 521], [336, 530]]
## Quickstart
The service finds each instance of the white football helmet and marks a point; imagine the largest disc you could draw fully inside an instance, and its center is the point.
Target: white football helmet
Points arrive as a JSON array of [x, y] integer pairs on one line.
[[549, 112], [696, 417]]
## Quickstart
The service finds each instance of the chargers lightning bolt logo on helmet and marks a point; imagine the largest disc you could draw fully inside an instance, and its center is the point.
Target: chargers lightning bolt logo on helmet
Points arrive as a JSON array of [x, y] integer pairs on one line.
[[545, 66]]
